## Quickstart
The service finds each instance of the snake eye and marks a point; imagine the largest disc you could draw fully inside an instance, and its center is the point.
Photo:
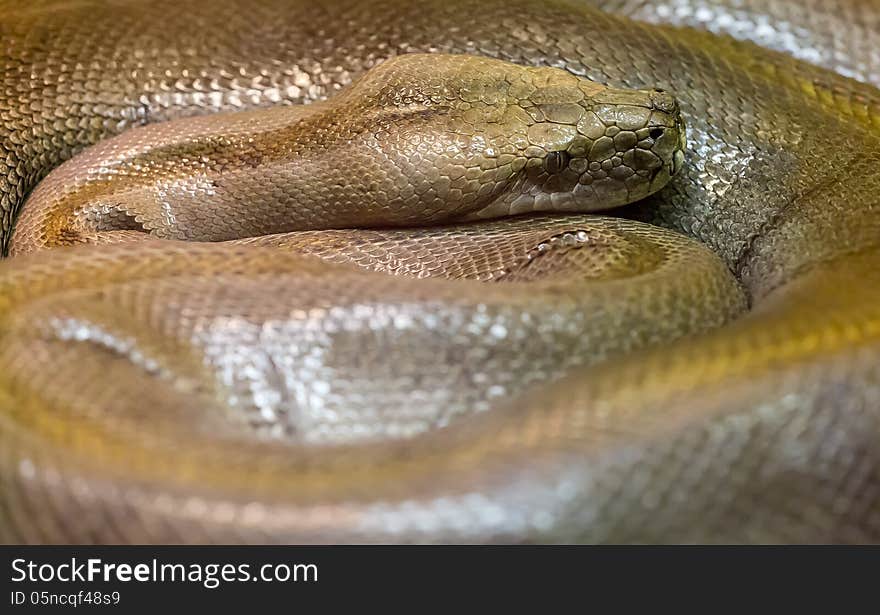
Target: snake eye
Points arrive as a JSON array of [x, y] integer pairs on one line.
[[656, 133], [555, 162]]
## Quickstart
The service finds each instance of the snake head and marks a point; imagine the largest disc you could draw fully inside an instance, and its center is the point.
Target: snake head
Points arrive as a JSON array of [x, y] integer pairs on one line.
[[470, 137], [585, 147], [464, 137]]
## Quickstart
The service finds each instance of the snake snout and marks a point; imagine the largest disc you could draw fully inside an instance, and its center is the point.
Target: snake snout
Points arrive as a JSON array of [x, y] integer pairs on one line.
[[635, 144], [669, 143], [591, 147]]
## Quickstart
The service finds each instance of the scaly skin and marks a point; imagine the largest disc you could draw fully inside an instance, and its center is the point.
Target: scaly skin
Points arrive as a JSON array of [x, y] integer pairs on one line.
[[421, 139], [169, 393], [810, 30]]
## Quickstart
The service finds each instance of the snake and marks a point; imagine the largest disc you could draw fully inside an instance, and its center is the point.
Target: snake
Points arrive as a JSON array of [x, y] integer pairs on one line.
[[459, 271]]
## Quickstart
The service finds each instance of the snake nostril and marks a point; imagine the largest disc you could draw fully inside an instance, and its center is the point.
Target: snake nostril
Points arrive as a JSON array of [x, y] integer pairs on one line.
[[656, 133]]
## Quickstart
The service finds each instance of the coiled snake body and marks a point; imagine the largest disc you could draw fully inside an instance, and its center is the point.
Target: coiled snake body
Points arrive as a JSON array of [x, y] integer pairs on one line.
[[554, 378]]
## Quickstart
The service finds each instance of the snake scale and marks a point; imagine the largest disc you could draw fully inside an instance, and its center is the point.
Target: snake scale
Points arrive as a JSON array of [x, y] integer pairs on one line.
[[699, 364]]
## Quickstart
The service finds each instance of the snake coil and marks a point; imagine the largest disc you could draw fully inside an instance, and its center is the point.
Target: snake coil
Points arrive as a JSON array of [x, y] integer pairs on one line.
[[699, 365]]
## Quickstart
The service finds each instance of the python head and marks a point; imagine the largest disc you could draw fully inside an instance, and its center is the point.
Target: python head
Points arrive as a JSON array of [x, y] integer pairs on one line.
[[472, 138]]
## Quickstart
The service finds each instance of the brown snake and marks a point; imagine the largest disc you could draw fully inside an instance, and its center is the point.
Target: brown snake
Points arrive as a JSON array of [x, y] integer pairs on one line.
[[555, 377]]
